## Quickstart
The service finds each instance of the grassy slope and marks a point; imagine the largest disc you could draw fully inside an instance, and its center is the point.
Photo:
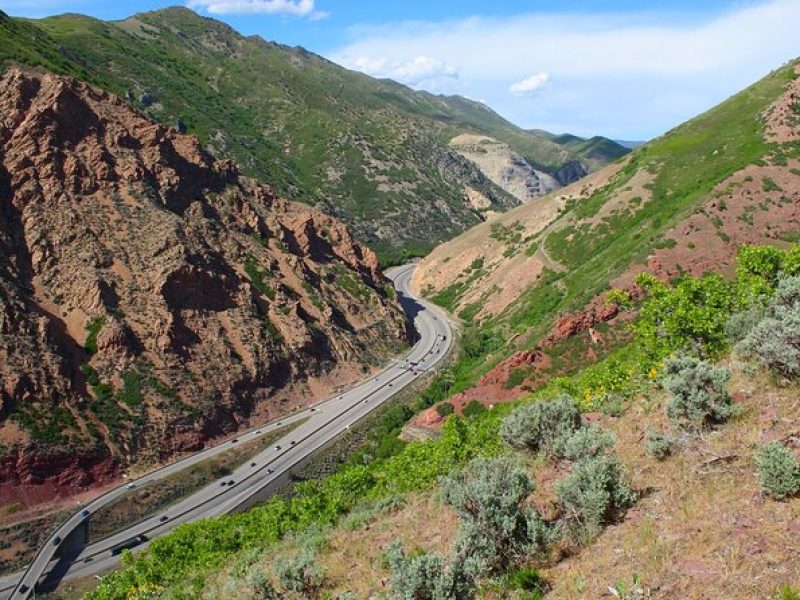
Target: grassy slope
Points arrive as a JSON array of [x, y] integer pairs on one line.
[[687, 163], [368, 150]]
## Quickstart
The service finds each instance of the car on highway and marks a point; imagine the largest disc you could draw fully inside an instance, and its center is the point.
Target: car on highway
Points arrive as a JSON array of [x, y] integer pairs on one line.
[[163, 519], [85, 512], [234, 440], [292, 442], [253, 464], [277, 447], [231, 482], [128, 544], [56, 540], [131, 486]]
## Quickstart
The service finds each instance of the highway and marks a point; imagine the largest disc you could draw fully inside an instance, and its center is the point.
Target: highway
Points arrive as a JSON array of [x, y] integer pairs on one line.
[[256, 478]]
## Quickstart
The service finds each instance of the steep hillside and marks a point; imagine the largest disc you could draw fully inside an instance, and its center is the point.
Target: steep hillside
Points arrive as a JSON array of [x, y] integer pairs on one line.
[[151, 297], [372, 152], [683, 202]]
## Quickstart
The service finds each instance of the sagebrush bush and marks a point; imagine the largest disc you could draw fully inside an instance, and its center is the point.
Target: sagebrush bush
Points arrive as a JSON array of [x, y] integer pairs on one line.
[[495, 526], [585, 442], [426, 577], [658, 445], [259, 587], [778, 471], [775, 340], [594, 493], [541, 426], [740, 324], [699, 393], [301, 573]]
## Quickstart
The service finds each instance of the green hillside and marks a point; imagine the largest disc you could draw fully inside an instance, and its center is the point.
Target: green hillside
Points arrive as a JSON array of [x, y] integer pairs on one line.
[[372, 152]]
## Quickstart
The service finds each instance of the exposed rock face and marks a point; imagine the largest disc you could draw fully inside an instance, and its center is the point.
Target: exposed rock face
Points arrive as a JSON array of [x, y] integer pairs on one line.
[[570, 172], [504, 167], [150, 297]]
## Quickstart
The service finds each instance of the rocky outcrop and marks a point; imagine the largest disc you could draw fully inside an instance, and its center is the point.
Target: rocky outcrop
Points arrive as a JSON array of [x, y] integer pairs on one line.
[[152, 298], [570, 172], [504, 167]]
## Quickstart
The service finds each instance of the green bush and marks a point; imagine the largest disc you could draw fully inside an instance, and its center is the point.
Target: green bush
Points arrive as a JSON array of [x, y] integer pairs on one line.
[[690, 315], [586, 442], [473, 408], [658, 445], [93, 329], [528, 579], [778, 471], [301, 573], [542, 426], [426, 577], [495, 527], [775, 340], [787, 592], [699, 395], [445, 409], [594, 493]]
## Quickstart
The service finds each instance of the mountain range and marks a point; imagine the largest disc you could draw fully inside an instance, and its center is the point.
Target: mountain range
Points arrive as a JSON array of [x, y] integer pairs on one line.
[[365, 150]]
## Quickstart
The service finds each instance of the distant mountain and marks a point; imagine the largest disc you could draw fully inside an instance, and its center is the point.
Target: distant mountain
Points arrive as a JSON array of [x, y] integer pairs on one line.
[[630, 144], [372, 152]]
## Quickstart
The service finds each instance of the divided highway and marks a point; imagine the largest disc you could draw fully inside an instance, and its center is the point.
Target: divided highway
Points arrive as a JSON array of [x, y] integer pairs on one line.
[[256, 478]]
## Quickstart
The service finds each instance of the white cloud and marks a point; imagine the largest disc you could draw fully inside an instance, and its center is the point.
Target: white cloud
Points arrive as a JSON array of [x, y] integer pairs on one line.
[[626, 74], [419, 72], [530, 85], [295, 8]]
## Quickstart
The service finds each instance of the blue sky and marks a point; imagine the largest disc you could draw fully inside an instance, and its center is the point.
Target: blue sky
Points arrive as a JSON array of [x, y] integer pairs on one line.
[[624, 68]]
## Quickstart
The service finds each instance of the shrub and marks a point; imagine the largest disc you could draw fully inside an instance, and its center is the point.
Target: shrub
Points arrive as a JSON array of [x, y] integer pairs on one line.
[[658, 445], [787, 592], [495, 526], [300, 574], [699, 393], [739, 326], [260, 587], [690, 315], [473, 408], [586, 442], [426, 577], [528, 579], [594, 493], [778, 471], [543, 425], [775, 340], [444, 409]]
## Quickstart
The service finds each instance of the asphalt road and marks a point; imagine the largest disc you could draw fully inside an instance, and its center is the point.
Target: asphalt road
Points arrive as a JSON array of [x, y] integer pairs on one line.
[[254, 479]]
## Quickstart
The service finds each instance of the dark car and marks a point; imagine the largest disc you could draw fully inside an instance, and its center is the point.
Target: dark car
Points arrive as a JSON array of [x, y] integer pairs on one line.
[[233, 441], [270, 471], [293, 442], [56, 540], [253, 464], [277, 447], [230, 482], [85, 512], [163, 518]]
